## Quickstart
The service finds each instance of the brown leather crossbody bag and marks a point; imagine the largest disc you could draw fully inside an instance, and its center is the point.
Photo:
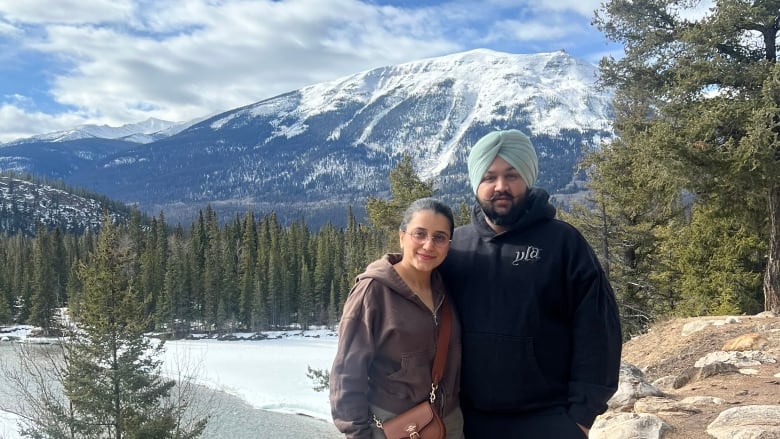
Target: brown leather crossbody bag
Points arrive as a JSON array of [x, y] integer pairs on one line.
[[423, 421]]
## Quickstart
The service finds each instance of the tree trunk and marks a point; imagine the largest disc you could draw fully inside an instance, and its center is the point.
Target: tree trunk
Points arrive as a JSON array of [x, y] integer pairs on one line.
[[772, 274]]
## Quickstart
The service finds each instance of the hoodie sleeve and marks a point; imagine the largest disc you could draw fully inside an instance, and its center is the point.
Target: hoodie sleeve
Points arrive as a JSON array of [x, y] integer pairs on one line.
[[349, 374], [597, 346]]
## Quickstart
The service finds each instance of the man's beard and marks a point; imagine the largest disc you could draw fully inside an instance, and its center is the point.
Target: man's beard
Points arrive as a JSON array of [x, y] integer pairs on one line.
[[503, 219]]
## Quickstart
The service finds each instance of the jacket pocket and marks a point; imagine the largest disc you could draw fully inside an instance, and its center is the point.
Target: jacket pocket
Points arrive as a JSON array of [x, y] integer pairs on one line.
[[500, 372], [414, 374]]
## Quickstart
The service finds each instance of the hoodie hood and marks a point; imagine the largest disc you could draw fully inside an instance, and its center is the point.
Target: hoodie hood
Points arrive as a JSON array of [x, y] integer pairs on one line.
[[382, 271]]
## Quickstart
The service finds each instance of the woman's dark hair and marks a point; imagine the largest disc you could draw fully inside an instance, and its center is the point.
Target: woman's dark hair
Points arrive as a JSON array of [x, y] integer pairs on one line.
[[427, 204]]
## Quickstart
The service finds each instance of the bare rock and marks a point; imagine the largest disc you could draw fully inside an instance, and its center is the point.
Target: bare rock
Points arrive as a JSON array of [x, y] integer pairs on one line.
[[703, 400], [737, 358], [696, 373], [628, 425], [632, 386], [660, 404], [664, 383], [747, 422], [698, 325]]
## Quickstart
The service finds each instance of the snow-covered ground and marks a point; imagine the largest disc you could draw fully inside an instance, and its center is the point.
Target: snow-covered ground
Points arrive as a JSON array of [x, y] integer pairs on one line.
[[269, 374]]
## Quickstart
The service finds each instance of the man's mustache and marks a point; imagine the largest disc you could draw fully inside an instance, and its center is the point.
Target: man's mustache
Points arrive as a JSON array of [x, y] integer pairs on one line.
[[498, 195]]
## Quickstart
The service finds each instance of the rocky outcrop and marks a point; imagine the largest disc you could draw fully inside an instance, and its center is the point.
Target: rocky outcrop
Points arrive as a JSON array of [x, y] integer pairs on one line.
[[747, 422], [628, 425], [696, 373], [683, 404]]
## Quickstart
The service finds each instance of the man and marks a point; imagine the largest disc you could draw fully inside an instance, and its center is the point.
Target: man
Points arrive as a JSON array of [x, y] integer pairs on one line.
[[541, 331]]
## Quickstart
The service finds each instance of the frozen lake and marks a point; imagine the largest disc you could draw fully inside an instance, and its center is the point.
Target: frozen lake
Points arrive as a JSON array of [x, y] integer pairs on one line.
[[253, 389]]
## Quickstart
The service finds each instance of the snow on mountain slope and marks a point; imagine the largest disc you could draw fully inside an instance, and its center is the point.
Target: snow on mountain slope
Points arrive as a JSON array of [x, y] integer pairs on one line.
[[313, 151]]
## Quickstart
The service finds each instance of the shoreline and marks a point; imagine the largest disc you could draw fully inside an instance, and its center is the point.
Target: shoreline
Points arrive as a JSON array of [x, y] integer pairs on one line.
[[235, 418], [234, 398]]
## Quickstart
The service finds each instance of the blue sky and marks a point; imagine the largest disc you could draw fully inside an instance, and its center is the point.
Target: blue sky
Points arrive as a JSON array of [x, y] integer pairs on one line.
[[65, 63]]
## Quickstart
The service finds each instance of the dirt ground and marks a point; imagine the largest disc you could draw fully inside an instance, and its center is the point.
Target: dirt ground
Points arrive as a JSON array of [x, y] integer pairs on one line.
[[664, 351]]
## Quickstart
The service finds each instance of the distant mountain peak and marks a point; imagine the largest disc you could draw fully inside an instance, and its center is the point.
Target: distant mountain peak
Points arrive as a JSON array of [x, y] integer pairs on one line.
[[145, 131], [316, 150]]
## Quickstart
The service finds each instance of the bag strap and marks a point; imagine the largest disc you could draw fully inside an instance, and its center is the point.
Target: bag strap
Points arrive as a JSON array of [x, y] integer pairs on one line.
[[440, 358], [442, 343]]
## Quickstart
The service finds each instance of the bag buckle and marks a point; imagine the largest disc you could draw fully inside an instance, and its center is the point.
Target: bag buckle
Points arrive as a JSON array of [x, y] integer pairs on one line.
[[432, 395]]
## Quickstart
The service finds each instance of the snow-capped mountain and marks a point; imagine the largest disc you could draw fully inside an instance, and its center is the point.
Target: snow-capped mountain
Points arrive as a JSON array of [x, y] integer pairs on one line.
[[142, 132], [314, 151]]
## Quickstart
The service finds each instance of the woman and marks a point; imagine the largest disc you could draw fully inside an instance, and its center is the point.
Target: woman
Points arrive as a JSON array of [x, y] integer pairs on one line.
[[388, 330]]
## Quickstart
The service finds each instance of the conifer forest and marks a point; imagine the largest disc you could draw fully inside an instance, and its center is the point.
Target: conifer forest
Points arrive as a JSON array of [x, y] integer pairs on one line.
[[245, 274]]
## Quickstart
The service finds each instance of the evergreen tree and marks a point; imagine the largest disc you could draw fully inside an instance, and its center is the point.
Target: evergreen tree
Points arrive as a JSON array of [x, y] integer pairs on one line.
[[700, 93], [147, 268], [21, 278], [405, 187], [112, 380], [6, 298], [324, 269], [354, 247], [306, 302], [199, 243], [273, 284], [229, 294], [295, 252], [75, 288], [153, 261], [60, 266], [334, 309], [246, 270], [260, 309], [340, 273], [174, 311], [43, 300], [717, 258], [634, 200], [462, 214], [212, 274]]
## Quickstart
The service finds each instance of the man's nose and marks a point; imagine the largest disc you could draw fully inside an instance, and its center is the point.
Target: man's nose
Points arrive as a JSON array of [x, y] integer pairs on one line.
[[501, 185]]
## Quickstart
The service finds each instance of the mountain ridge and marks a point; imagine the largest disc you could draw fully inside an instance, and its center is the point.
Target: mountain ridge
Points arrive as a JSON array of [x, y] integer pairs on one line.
[[316, 150], [27, 204]]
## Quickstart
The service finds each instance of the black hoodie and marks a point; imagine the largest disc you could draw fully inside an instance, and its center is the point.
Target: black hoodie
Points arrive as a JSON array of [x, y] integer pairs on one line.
[[539, 320]]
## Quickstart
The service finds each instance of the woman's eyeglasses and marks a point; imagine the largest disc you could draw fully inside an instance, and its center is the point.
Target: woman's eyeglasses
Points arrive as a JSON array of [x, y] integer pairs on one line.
[[421, 237]]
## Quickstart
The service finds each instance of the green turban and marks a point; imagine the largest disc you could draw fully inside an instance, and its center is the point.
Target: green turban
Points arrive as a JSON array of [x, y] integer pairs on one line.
[[512, 146]]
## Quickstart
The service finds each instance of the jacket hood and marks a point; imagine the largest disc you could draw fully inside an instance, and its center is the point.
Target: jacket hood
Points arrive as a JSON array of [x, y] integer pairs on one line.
[[382, 271]]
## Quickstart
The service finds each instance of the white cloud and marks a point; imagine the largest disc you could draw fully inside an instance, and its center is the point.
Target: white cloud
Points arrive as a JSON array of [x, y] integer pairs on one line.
[[25, 122], [9, 29], [527, 31], [221, 56], [119, 62], [66, 11], [697, 11], [585, 8]]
